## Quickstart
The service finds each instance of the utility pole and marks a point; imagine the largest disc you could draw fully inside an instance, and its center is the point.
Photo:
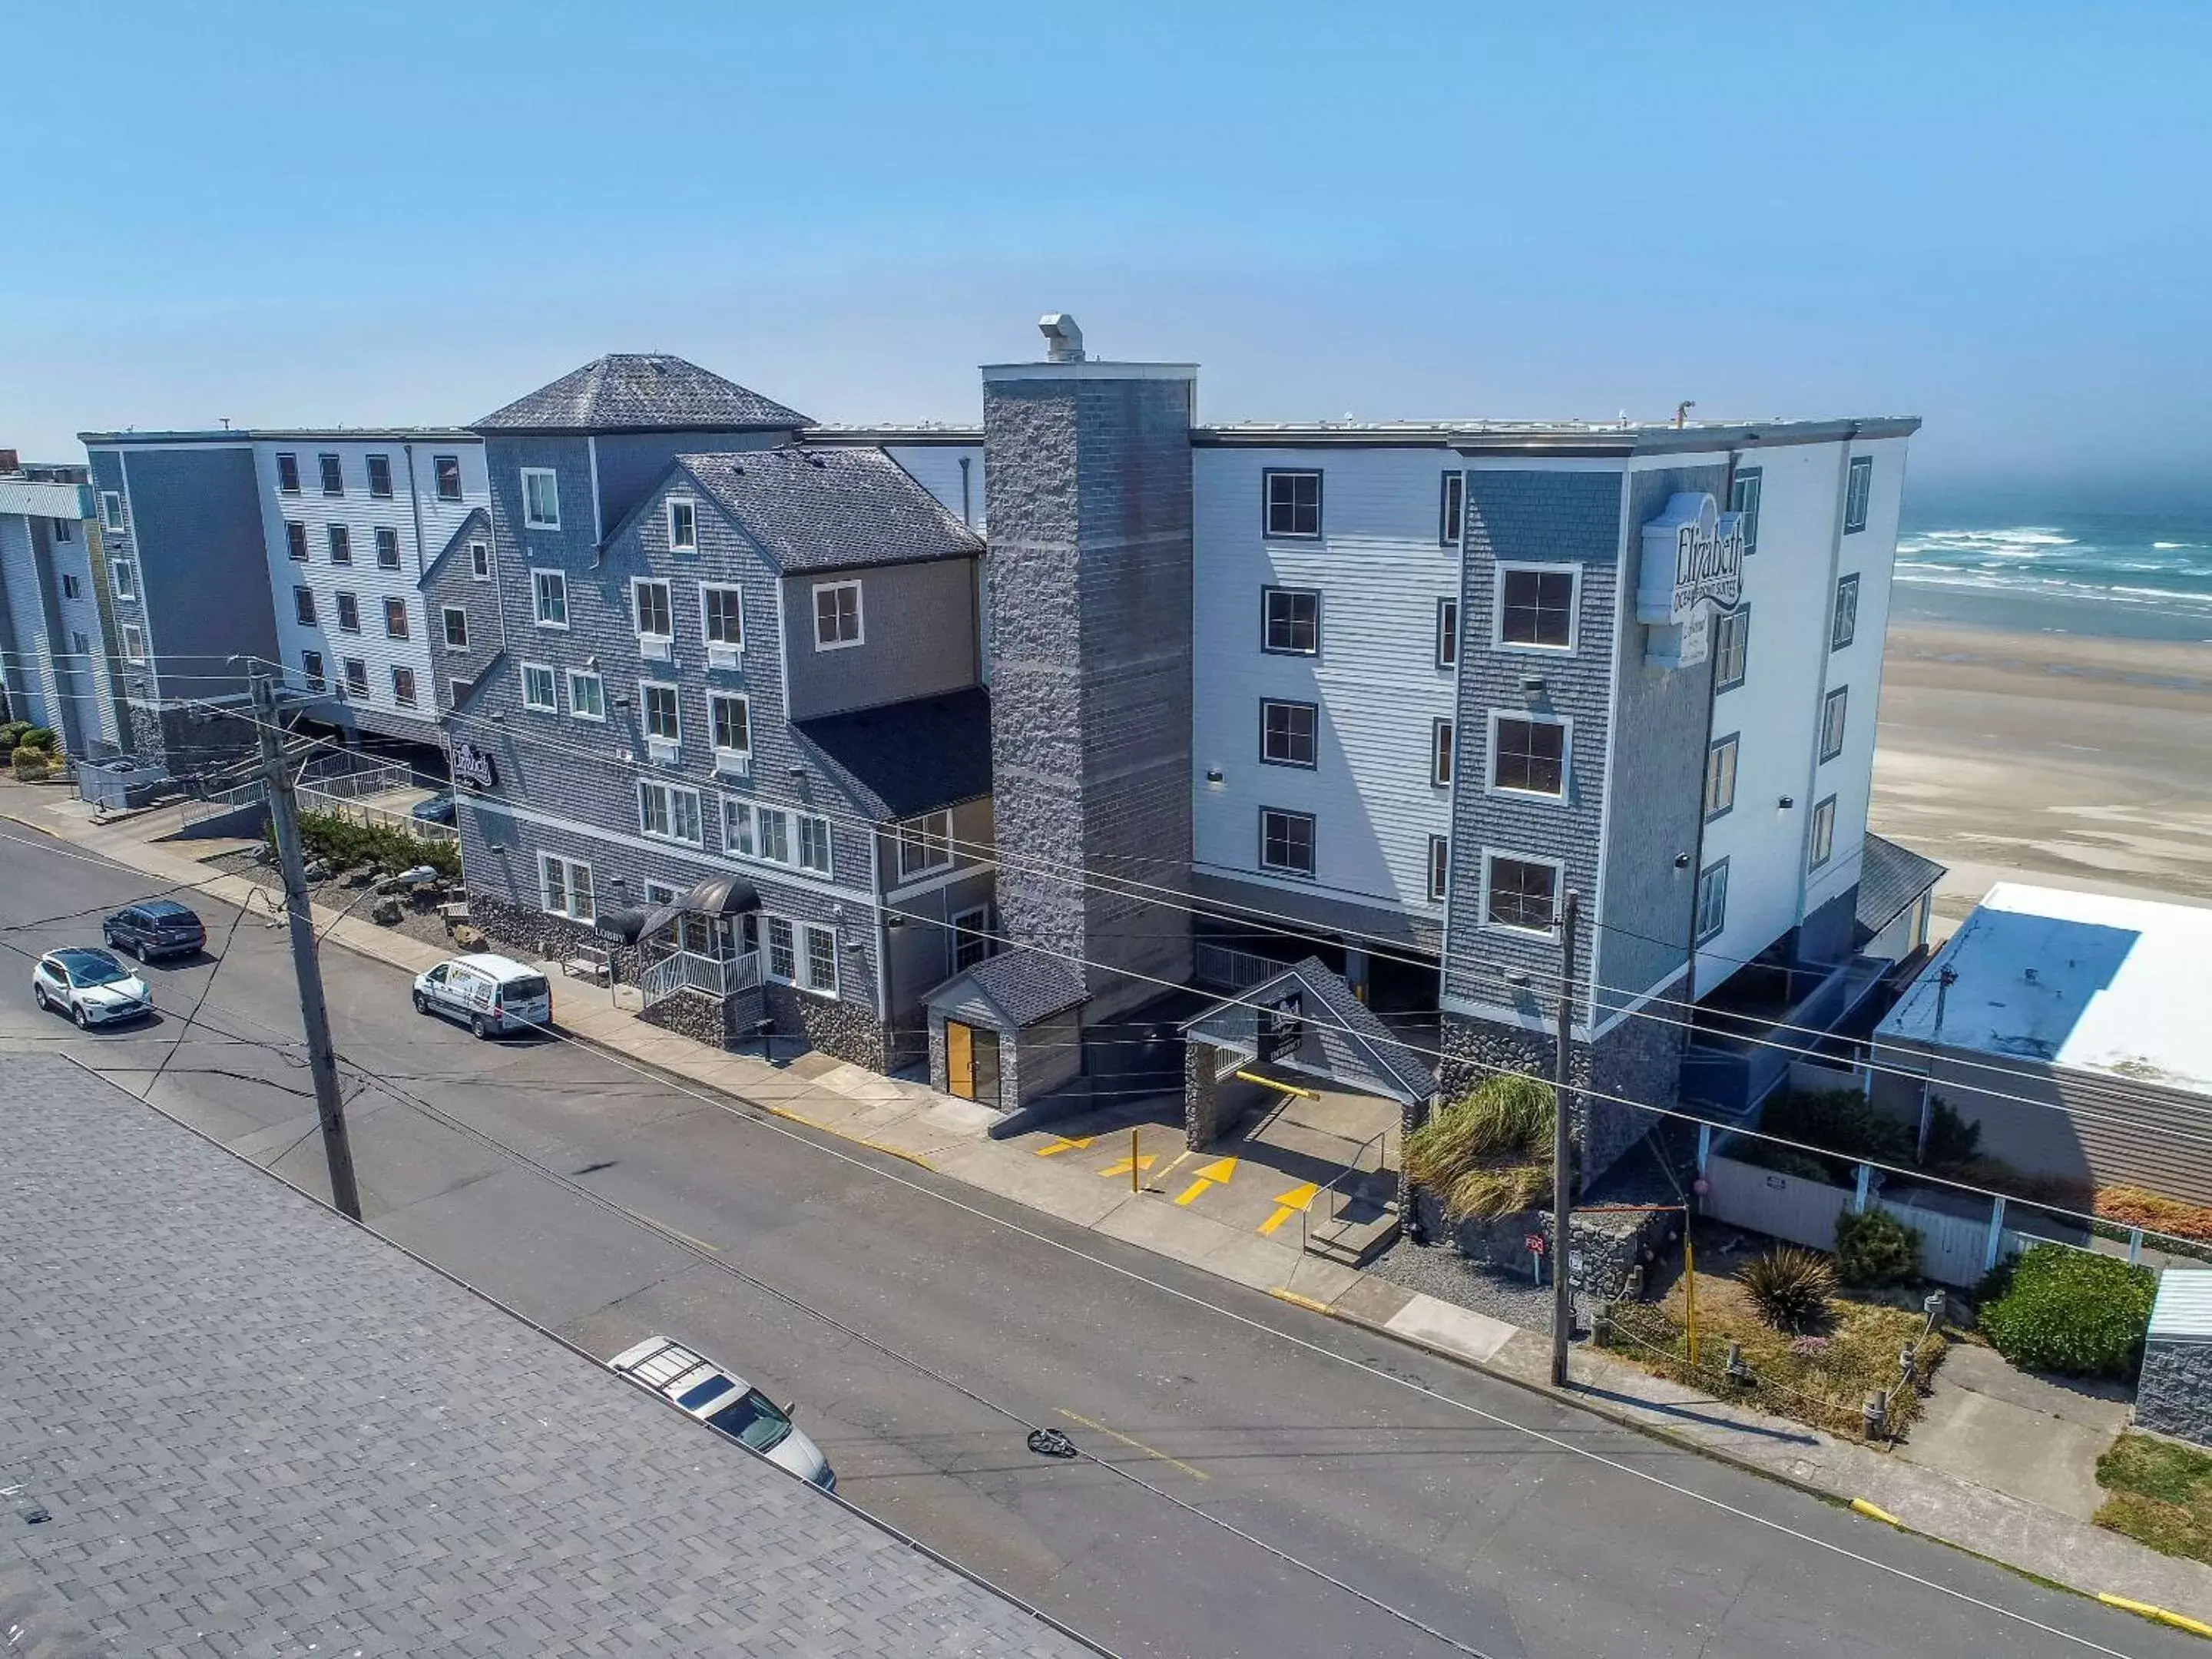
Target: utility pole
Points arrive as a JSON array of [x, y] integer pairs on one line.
[[1562, 1151], [314, 1017]]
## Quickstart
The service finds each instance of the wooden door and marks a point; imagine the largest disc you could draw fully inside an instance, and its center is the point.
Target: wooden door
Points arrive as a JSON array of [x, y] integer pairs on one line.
[[960, 1059]]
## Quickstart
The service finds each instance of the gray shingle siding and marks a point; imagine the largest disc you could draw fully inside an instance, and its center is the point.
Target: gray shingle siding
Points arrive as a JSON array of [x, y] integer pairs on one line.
[[1547, 518], [631, 463], [918, 638], [451, 581]]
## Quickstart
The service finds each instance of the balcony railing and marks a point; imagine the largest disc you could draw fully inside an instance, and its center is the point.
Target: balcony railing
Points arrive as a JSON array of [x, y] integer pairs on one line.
[[721, 977]]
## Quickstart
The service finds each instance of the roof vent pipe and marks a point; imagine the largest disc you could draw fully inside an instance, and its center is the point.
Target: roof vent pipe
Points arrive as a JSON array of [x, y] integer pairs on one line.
[[1063, 339]]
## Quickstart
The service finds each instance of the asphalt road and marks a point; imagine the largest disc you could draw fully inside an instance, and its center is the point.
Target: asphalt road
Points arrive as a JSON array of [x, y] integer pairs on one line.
[[1506, 1544]]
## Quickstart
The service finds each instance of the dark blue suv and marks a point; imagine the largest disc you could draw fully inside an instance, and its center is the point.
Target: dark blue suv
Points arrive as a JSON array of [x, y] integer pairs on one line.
[[159, 927]]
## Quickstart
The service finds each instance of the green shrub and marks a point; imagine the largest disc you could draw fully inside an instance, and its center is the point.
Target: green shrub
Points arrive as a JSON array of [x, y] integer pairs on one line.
[[1875, 1249], [1487, 1154], [2056, 1309], [37, 737], [344, 845], [11, 734], [1788, 1160], [1839, 1121], [30, 763], [1790, 1288], [1950, 1139]]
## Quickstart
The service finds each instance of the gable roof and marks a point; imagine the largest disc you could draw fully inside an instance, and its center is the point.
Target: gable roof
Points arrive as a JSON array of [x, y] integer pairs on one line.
[[1891, 879], [1021, 986], [812, 507], [902, 758], [476, 522], [648, 391], [1350, 1045]]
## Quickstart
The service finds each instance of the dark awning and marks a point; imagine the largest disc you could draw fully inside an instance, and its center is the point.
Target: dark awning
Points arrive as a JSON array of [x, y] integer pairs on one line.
[[728, 895]]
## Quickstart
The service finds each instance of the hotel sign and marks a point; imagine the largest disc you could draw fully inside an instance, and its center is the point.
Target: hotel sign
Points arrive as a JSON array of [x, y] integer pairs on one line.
[[473, 767], [1693, 568]]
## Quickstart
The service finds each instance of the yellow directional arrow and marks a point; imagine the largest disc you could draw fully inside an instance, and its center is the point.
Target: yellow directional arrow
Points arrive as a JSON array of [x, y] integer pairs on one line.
[[1063, 1145], [1122, 1166], [1215, 1174], [1288, 1204]]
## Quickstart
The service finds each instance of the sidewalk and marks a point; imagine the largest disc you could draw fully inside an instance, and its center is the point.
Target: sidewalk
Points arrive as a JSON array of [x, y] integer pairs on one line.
[[1200, 1223]]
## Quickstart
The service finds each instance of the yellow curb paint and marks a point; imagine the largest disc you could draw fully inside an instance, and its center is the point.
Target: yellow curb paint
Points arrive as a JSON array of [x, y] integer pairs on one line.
[[786, 1112], [1215, 1174], [1310, 1304], [2164, 1616], [1270, 1083], [1288, 1204], [1149, 1451], [1063, 1145], [1860, 1506]]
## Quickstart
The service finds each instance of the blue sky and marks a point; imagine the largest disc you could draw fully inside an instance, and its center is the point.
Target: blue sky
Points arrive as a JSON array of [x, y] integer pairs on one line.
[[1994, 216]]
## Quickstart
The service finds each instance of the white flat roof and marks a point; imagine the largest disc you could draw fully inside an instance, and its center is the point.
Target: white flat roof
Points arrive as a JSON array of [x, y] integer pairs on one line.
[[2183, 1312], [2094, 983]]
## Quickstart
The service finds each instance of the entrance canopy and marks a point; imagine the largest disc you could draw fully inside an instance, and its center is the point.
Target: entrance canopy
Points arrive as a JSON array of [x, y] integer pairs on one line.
[[729, 895], [1306, 1019]]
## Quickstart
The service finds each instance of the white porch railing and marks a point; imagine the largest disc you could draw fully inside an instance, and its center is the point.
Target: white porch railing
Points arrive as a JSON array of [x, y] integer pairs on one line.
[[1226, 969], [688, 970]]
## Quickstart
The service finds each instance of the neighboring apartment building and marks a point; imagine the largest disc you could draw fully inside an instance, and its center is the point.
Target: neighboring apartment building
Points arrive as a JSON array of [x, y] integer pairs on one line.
[[306, 549], [59, 644], [719, 694]]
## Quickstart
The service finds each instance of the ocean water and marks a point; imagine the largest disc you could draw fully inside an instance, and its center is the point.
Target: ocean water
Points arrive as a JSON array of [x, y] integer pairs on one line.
[[2127, 575]]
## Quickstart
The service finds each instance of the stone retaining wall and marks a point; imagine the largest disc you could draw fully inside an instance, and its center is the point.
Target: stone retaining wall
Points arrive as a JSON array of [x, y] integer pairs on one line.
[[2174, 1394]]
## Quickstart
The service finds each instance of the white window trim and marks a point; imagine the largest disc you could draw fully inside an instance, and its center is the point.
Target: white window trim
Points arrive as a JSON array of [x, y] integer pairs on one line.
[[1705, 936], [547, 472], [767, 957], [827, 871], [976, 920], [110, 509], [1313, 843], [792, 817], [930, 827], [1490, 784], [406, 621], [568, 867], [123, 578], [134, 643], [738, 804], [860, 614], [1732, 743], [1448, 602], [744, 755], [576, 709], [660, 747], [667, 640], [341, 600], [1438, 871], [1443, 752], [1498, 640], [551, 679], [668, 519], [1816, 859], [672, 790], [1558, 868], [480, 571], [538, 599], [1839, 697], [346, 666], [804, 940], [719, 647], [446, 614]]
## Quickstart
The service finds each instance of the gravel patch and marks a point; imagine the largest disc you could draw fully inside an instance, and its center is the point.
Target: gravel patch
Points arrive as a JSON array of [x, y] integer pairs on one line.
[[1442, 1271], [418, 919]]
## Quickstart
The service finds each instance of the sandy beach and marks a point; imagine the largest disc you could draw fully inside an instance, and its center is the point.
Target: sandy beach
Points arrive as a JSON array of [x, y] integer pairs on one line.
[[2079, 761]]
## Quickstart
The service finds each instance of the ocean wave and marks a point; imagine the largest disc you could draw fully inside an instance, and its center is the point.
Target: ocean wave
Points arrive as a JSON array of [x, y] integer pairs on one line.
[[2049, 587], [2173, 547]]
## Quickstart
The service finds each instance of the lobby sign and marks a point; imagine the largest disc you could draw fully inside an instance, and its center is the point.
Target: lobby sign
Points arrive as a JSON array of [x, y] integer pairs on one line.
[[474, 767], [1691, 569]]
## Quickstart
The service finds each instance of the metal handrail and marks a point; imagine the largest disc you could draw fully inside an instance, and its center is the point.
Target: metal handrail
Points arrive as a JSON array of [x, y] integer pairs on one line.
[[1306, 1211]]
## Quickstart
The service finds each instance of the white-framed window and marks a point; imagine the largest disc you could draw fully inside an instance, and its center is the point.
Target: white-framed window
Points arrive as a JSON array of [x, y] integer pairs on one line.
[[1743, 498], [356, 677], [738, 827], [403, 686], [134, 643], [587, 696], [780, 955], [1451, 519], [303, 606], [669, 812], [1823, 845], [387, 547], [1286, 842], [813, 843], [1291, 503], [1858, 491], [1731, 648], [836, 615], [379, 476], [456, 621], [565, 888], [683, 524], [660, 892], [722, 617], [1290, 621], [652, 610], [819, 961], [730, 717], [662, 709], [311, 669], [1833, 709], [123, 575], [1712, 900], [333, 474], [1536, 606], [480, 561], [1520, 895], [971, 937], [1844, 627], [287, 474], [111, 508], [1529, 755], [538, 688], [925, 845], [395, 619], [549, 596], [1448, 631], [349, 613], [1289, 733], [772, 827], [448, 470], [541, 498], [1720, 774], [1440, 754], [340, 543], [1439, 867]]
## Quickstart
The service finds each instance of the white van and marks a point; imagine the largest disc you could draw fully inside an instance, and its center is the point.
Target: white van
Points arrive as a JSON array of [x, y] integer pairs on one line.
[[492, 995], [724, 1401]]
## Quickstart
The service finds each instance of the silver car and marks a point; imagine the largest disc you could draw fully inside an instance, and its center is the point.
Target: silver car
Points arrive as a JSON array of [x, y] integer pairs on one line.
[[91, 986], [724, 1401]]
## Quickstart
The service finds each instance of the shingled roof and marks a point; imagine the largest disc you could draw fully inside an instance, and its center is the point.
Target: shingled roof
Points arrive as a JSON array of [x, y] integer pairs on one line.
[[642, 391], [899, 760], [826, 508]]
